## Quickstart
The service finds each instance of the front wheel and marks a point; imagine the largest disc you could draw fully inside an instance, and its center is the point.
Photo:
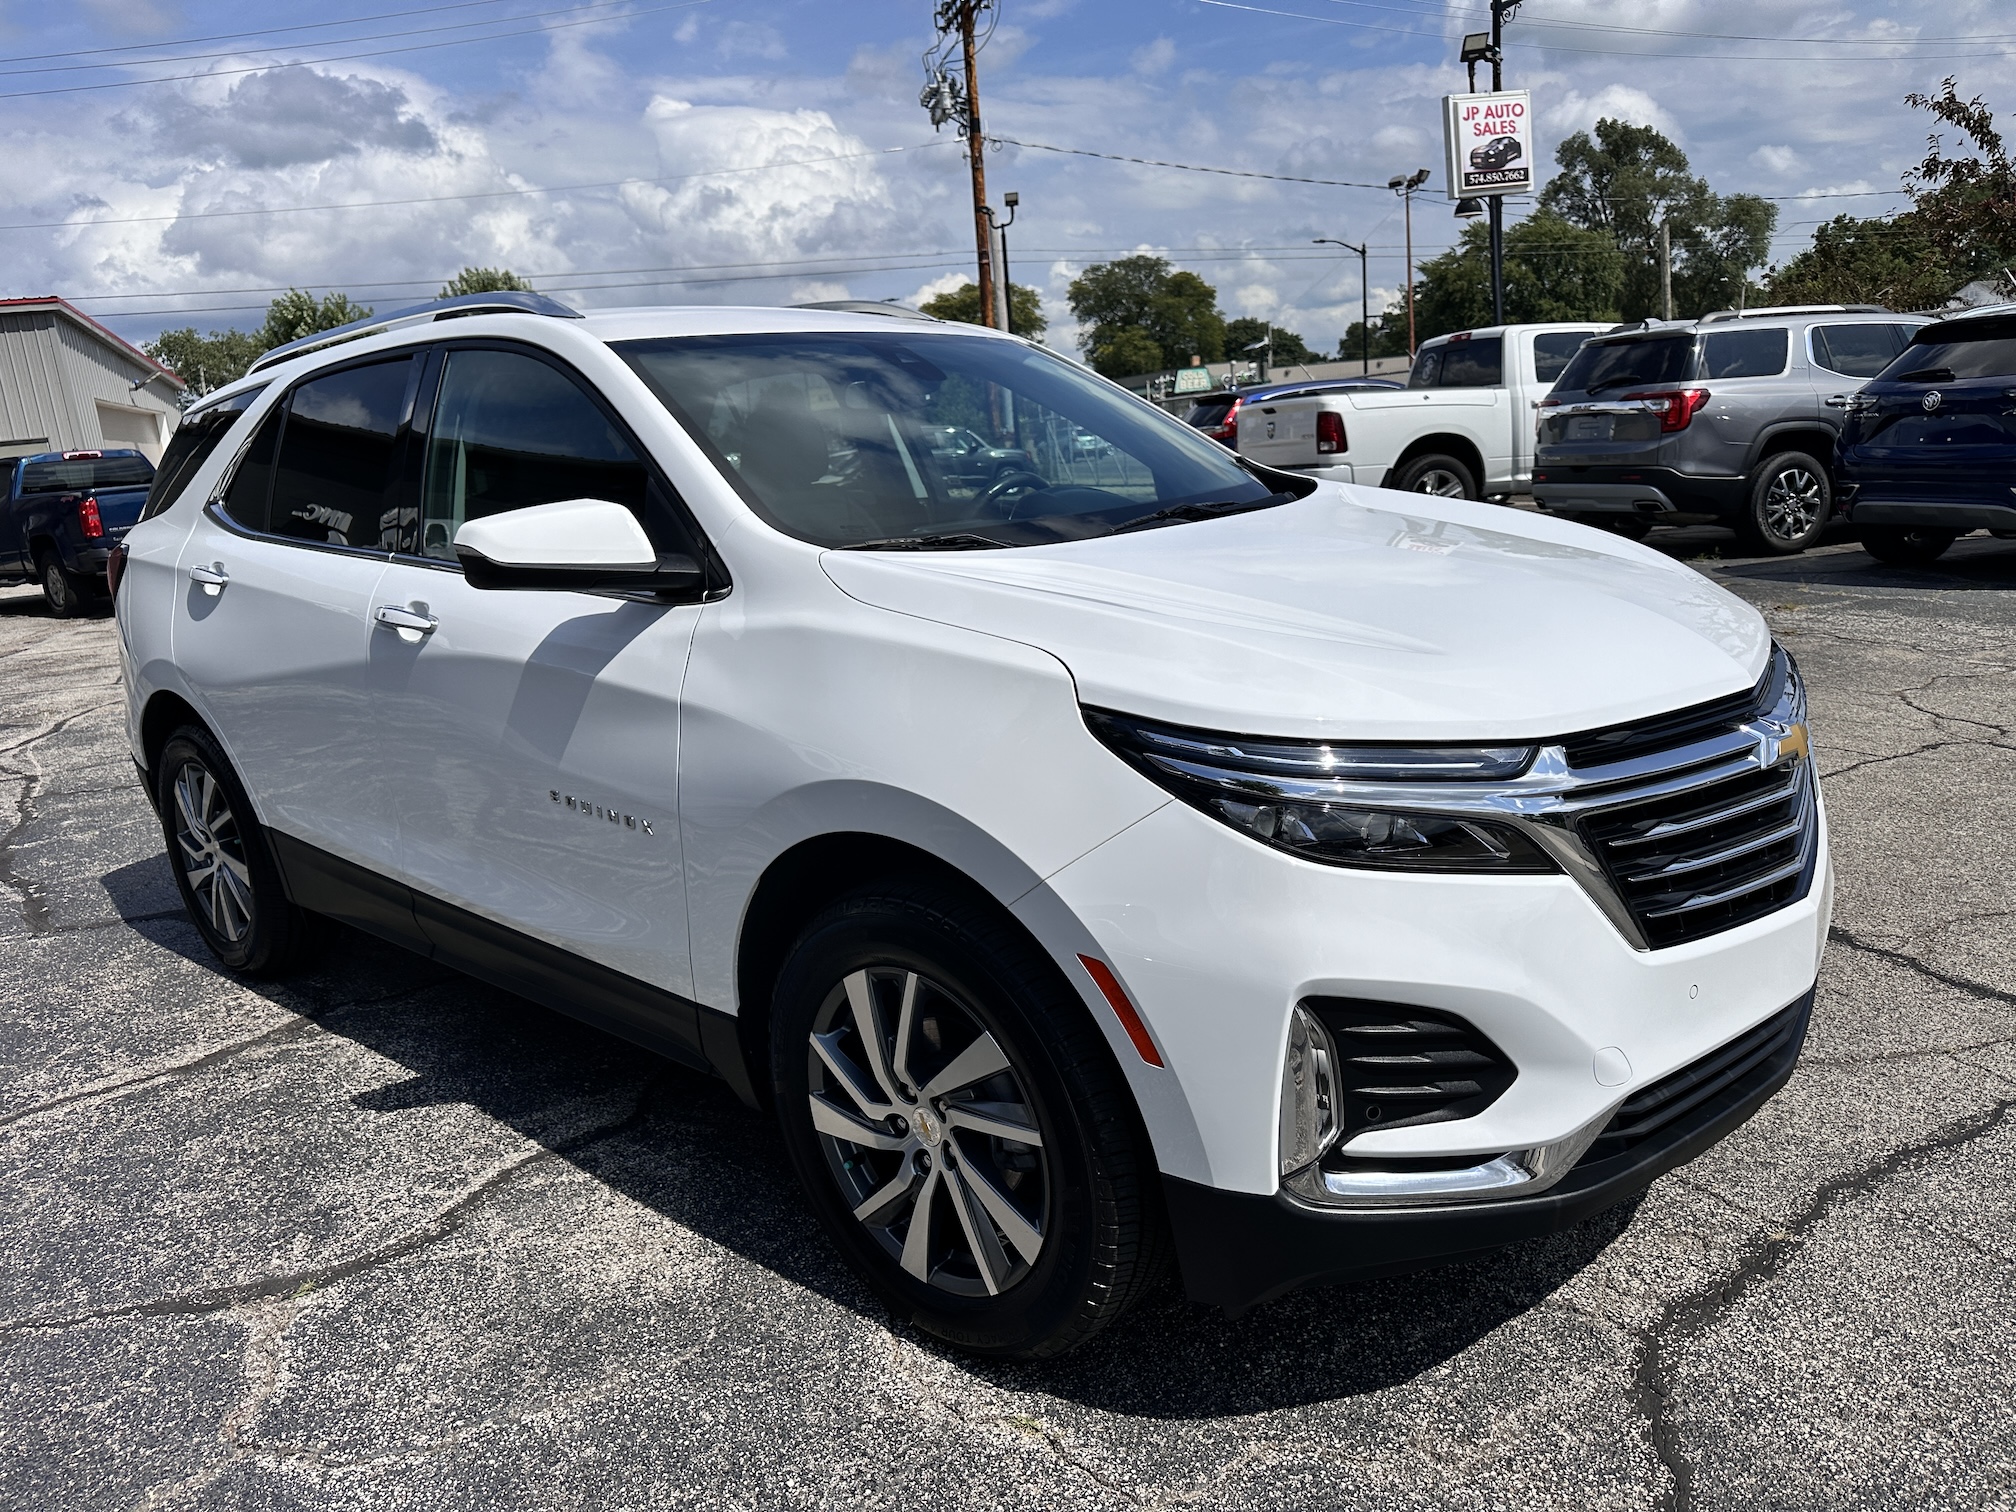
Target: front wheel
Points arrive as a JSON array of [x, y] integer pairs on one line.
[[959, 1124], [223, 862], [1905, 546], [1445, 477], [1789, 504]]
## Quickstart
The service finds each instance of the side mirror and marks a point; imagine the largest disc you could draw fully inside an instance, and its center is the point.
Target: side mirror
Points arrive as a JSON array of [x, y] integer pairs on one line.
[[577, 544]]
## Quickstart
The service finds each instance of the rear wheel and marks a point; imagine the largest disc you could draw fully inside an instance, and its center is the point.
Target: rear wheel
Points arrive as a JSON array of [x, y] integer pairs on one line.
[[1789, 504], [959, 1125], [61, 590], [1445, 477], [224, 866], [1905, 546]]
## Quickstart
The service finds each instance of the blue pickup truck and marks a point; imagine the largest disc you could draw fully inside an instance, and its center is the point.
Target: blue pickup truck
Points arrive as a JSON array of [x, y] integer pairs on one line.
[[60, 516]]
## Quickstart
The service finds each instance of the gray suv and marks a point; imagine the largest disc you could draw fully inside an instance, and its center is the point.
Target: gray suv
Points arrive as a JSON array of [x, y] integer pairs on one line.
[[1732, 417]]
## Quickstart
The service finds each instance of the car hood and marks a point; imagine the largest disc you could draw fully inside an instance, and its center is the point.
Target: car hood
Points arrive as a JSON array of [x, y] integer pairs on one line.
[[1356, 613]]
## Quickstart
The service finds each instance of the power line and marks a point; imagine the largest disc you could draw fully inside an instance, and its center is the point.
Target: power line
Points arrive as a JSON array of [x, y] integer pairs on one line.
[[265, 31], [432, 199], [1526, 19], [239, 52], [382, 52]]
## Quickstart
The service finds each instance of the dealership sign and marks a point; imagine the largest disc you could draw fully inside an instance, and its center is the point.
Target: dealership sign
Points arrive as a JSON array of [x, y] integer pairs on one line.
[[1489, 138]]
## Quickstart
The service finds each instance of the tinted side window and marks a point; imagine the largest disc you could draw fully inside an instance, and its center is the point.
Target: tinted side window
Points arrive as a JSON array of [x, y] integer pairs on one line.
[[252, 485], [193, 443], [1860, 351], [510, 430], [1744, 354], [1427, 370], [1551, 351], [1474, 364], [333, 480]]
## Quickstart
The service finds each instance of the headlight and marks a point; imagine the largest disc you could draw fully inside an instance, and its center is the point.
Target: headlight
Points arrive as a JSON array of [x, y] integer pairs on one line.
[[1293, 795]]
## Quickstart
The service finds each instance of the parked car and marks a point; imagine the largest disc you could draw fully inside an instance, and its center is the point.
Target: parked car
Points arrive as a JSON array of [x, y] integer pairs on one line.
[[1309, 881], [1502, 153], [60, 516], [1731, 418], [1461, 428], [1217, 414], [1928, 450], [968, 460]]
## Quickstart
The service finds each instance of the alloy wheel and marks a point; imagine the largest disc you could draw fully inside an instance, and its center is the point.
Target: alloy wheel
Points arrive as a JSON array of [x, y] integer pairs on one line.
[[211, 850], [930, 1131], [1440, 482], [1794, 501]]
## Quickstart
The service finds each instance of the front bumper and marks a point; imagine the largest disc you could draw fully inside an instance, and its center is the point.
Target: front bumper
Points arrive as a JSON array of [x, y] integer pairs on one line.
[[1638, 490], [1239, 1249]]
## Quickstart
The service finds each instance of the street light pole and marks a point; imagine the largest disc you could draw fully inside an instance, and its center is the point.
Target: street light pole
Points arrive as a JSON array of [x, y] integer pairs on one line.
[[1004, 296], [1500, 10], [1364, 299]]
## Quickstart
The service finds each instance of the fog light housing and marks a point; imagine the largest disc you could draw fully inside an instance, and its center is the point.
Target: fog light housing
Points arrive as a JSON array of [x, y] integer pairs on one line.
[[1308, 1093]]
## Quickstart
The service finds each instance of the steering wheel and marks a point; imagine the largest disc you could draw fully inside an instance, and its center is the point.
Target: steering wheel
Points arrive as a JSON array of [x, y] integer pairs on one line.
[[1007, 492]]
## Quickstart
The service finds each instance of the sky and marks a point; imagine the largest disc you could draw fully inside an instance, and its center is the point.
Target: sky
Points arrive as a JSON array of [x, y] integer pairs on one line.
[[163, 165]]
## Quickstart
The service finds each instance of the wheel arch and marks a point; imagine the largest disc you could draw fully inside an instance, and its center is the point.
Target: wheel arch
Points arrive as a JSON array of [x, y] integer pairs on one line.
[[1442, 443], [1817, 441], [165, 713]]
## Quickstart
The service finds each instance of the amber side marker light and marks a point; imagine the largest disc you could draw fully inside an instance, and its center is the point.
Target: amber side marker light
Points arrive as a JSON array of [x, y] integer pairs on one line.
[[1116, 995]]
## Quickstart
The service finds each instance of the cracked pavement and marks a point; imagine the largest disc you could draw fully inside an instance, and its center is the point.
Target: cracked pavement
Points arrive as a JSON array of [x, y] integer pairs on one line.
[[381, 1237]]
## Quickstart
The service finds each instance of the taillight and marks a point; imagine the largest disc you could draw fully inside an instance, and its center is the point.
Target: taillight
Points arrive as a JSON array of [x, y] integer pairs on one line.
[[1329, 431], [88, 520], [115, 569], [1226, 431], [1676, 408]]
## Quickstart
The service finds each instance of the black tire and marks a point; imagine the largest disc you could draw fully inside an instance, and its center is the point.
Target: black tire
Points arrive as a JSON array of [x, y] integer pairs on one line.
[[61, 590], [1083, 1191], [1445, 477], [1789, 504], [1905, 545], [242, 912]]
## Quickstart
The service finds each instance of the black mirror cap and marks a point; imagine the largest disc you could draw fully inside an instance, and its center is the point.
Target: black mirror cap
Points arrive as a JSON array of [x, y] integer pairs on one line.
[[675, 575]]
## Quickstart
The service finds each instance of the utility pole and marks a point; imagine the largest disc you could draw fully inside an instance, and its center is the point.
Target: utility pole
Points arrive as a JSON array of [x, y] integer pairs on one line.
[[1404, 185], [1666, 270], [982, 222], [1364, 298]]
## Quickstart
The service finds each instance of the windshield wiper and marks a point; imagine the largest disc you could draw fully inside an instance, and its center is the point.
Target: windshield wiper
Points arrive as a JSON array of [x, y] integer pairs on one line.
[[1199, 512], [951, 541]]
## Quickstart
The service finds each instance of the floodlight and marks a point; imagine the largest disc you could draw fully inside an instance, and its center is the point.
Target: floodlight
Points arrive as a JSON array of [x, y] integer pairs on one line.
[[1420, 177], [1398, 181], [1476, 48]]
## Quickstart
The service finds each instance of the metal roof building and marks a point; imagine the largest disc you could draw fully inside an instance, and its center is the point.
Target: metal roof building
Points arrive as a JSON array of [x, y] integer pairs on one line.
[[68, 384]]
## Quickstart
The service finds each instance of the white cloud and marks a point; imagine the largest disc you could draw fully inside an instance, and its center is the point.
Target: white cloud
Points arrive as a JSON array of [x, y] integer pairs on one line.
[[944, 284], [1778, 160], [1154, 58], [1574, 111]]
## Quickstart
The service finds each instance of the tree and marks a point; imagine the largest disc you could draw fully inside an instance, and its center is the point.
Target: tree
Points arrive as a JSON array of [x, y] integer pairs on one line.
[[484, 281], [1139, 316], [1025, 308], [1965, 206], [1389, 335], [205, 362], [1627, 181], [1554, 270], [1852, 261], [298, 313], [1245, 334]]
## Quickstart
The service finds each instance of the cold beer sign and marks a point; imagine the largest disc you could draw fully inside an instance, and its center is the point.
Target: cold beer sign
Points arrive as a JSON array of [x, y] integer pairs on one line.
[[1490, 143]]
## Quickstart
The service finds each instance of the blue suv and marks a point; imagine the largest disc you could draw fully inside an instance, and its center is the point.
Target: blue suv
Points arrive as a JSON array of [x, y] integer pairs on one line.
[[1928, 450]]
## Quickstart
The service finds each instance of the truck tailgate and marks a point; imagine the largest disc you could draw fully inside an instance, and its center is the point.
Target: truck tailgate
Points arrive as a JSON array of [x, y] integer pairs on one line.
[[119, 508], [1283, 434]]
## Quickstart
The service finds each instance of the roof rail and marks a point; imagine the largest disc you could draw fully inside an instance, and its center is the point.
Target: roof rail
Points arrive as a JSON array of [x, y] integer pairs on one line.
[[867, 307], [1767, 312], [505, 303]]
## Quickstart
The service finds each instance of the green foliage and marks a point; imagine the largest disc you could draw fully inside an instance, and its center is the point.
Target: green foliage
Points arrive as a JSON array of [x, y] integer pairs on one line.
[[1245, 333], [205, 362], [1852, 261], [484, 281], [1389, 335], [1965, 206], [1554, 270], [1139, 316], [1627, 181], [298, 313], [1025, 308]]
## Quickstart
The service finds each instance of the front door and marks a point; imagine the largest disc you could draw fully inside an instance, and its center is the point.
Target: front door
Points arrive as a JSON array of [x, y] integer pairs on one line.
[[531, 738], [272, 622]]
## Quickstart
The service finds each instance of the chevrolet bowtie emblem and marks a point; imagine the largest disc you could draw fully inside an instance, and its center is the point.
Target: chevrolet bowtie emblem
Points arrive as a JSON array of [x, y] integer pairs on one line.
[[1790, 742]]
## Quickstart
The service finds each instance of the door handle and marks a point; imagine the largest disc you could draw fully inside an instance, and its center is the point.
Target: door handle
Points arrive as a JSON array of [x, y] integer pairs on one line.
[[413, 625], [1838, 401], [213, 579]]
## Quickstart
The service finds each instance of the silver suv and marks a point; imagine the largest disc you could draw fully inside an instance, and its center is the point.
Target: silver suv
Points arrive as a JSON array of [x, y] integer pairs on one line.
[[1732, 417]]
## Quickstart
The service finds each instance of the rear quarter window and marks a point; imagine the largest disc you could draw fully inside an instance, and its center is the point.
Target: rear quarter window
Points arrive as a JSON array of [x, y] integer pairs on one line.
[[194, 441], [1857, 351], [1744, 354]]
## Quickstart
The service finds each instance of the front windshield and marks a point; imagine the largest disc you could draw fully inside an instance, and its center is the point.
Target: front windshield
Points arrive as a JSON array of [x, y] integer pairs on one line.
[[926, 438]]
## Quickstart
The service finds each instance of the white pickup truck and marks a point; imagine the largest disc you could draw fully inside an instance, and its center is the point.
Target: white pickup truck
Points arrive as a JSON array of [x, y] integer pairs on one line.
[[1463, 426]]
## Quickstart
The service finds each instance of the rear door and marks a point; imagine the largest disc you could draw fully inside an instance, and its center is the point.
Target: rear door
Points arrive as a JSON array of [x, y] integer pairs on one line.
[[272, 618], [1754, 384], [530, 739]]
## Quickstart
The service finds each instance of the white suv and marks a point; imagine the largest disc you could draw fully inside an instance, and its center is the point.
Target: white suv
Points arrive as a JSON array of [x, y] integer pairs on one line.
[[1138, 853]]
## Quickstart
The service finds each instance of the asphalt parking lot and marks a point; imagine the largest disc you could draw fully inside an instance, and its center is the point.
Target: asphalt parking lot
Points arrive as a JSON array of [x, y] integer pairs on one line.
[[382, 1237]]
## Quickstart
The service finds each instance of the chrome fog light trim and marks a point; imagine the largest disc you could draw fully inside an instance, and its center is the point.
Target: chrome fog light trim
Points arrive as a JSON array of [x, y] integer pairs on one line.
[[1519, 1173], [1309, 1123]]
